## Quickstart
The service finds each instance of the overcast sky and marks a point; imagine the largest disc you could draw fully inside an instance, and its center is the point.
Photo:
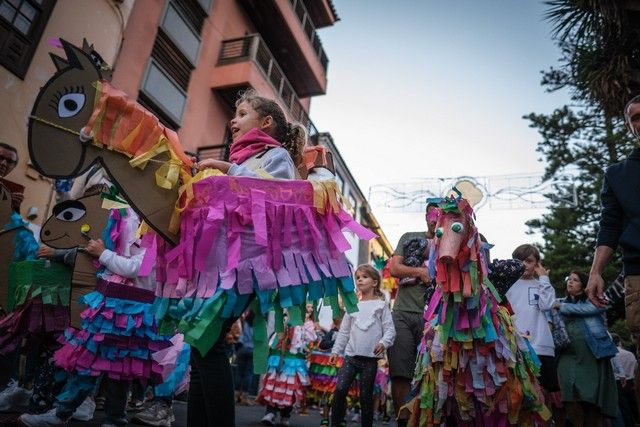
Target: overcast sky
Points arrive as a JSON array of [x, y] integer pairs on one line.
[[431, 89]]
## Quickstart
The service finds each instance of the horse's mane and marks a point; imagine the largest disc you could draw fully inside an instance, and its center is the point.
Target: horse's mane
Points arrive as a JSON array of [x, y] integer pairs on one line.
[[119, 123]]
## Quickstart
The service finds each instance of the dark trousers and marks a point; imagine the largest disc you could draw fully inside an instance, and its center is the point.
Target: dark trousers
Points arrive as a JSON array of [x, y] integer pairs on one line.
[[79, 387], [367, 368], [284, 412], [244, 369], [627, 402], [211, 389]]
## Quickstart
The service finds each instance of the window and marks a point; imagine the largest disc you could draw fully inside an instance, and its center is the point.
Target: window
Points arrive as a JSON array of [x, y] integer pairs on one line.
[[164, 93], [180, 33], [206, 5], [353, 209], [339, 182], [174, 56], [21, 25]]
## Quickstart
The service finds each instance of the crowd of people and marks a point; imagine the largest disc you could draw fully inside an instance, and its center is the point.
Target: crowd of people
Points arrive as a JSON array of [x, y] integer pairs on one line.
[[114, 353]]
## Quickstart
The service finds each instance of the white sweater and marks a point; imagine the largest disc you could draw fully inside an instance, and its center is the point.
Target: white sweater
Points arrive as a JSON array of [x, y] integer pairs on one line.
[[361, 331], [529, 298]]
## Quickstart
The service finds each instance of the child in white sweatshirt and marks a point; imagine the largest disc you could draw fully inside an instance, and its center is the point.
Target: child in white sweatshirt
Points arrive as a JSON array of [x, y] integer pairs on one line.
[[365, 335]]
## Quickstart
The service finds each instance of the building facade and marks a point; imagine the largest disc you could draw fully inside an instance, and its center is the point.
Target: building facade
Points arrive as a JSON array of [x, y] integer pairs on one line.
[[184, 60]]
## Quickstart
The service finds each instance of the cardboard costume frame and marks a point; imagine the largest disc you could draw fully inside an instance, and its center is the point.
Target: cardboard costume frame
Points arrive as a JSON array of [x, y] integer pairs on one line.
[[71, 225], [78, 120]]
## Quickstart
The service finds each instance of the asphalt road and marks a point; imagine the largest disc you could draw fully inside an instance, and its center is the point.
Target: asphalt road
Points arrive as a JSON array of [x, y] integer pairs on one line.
[[246, 416]]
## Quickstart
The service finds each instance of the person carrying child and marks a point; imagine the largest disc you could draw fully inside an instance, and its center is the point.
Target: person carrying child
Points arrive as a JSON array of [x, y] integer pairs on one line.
[[363, 337], [265, 145]]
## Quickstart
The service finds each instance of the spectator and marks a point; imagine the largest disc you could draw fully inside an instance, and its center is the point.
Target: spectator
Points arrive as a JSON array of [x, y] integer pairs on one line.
[[8, 161], [244, 360], [408, 321], [530, 297], [587, 382], [627, 364], [618, 226]]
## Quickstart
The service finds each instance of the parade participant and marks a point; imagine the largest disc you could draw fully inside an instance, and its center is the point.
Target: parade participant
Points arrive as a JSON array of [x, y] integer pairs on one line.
[[363, 338], [618, 225], [287, 375], [627, 367], [380, 390], [119, 332], [407, 309], [264, 144], [322, 372], [473, 366]]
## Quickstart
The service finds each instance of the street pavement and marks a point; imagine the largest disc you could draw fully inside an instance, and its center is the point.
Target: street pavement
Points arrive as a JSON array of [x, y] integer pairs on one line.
[[246, 416]]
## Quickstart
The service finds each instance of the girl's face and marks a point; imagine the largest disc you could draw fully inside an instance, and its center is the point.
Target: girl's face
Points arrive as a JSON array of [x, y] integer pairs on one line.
[[574, 287], [247, 118], [365, 283]]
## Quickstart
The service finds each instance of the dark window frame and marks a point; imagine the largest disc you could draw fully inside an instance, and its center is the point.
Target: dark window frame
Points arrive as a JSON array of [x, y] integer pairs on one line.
[[11, 39]]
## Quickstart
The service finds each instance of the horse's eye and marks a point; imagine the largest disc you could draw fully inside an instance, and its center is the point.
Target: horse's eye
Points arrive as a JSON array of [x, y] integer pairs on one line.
[[71, 214], [70, 104], [457, 227], [439, 232]]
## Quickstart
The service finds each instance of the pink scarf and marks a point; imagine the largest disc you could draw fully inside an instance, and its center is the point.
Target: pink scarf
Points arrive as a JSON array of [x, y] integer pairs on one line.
[[251, 143]]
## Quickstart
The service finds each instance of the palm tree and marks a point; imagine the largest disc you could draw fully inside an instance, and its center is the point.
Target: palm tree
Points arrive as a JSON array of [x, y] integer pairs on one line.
[[600, 40]]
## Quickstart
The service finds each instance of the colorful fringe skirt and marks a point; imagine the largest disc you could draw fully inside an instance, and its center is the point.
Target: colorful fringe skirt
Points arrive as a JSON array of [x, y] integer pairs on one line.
[[39, 300], [324, 375], [473, 367], [285, 381], [279, 241], [119, 338]]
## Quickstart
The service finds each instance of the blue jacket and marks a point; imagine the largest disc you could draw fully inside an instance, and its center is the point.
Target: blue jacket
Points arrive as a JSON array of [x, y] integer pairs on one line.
[[592, 320]]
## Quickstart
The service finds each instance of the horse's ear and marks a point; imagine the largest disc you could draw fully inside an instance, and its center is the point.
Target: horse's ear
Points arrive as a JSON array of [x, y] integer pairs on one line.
[[58, 62], [86, 47], [77, 58]]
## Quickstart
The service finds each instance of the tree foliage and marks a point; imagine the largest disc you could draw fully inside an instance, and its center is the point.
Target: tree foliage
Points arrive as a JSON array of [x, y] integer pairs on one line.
[[600, 68]]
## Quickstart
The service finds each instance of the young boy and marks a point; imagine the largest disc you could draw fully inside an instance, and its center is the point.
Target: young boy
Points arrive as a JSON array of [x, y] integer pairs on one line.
[[530, 297]]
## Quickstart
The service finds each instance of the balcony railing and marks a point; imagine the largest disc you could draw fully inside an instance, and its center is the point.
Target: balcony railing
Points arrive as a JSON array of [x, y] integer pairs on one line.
[[310, 31], [253, 48]]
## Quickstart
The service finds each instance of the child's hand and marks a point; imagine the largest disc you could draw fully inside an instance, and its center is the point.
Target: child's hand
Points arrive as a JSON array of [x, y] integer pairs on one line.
[[540, 270], [214, 164], [45, 251], [378, 350], [333, 359], [95, 248]]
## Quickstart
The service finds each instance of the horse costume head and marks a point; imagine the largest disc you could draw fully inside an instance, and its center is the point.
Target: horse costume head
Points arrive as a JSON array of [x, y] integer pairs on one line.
[[63, 107], [74, 222], [79, 119], [458, 249]]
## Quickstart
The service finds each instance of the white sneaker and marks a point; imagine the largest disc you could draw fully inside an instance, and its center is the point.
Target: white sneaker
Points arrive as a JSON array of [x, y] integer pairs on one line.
[[355, 418], [85, 411], [269, 419], [14, 396], [284, 421], [48, 419]]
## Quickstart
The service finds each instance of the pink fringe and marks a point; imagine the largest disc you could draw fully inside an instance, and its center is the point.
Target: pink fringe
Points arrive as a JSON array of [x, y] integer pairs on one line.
[[237, 227]]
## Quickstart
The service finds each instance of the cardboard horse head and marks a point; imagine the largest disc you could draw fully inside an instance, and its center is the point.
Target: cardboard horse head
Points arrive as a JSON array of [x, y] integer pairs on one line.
[[71, 226], [79, 119]]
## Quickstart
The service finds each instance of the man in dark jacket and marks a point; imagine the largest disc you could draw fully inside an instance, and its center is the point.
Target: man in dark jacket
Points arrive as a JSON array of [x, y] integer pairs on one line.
[[620, 225]]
